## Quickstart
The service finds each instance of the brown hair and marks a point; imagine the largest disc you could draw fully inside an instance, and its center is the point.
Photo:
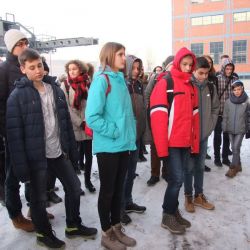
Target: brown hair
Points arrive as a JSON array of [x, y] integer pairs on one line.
[[81, 65], [91, 70], [28, 55], [212, 69], [107, 54]]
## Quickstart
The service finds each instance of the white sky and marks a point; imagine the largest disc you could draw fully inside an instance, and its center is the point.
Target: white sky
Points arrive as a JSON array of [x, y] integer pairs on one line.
[[144, 27]]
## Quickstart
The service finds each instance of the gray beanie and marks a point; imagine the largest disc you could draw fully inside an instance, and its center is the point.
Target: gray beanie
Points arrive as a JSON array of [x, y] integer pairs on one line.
[[11, 38]]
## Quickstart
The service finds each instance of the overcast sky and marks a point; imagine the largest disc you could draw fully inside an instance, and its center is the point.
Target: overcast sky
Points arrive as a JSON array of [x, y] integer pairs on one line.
[[144, 27]]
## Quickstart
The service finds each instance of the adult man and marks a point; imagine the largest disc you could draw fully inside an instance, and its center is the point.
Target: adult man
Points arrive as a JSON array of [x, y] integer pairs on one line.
[[15, 42]]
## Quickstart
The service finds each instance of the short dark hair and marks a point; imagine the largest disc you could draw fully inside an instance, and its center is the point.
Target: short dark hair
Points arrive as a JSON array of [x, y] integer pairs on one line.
[[28, 55], [201, 62], [224, 56]]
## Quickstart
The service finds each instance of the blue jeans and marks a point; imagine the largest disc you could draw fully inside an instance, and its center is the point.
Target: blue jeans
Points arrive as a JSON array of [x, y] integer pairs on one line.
[[176, 162], [195, 170], [130, 176]]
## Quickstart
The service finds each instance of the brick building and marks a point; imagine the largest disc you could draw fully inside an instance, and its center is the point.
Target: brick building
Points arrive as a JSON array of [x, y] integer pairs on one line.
[[214, 27]]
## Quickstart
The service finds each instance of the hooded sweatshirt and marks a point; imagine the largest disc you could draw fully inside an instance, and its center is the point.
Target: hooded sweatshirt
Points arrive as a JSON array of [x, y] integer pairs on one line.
[[135, 88], [180, 127], [225, 82]]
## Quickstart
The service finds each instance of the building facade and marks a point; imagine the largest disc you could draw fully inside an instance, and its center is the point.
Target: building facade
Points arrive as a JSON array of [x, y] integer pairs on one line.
[[214, 27]]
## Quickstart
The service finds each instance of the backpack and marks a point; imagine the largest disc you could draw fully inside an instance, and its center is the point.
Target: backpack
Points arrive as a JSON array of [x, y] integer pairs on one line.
[[170, 93]]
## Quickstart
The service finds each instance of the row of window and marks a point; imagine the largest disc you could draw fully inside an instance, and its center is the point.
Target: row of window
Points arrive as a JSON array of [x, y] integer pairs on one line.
[[215, 19], [216, 50], [202, 1]]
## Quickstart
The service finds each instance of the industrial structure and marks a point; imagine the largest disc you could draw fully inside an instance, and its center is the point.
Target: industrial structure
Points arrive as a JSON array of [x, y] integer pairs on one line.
[[214, 27], [43, 44]]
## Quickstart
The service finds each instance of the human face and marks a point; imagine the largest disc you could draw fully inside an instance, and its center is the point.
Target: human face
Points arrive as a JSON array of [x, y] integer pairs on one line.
[[73, 70], [120, 60], [201, 74], [186, 64], [237, 91], [229, 70], [158, 70], [135, 70], [33, 70], [20, 47]]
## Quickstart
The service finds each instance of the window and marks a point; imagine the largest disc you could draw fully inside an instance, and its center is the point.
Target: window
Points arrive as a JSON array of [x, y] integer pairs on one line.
[[239, 51], [197, 1], [241, 16], [206, 20], [216, 50], [197, 48]]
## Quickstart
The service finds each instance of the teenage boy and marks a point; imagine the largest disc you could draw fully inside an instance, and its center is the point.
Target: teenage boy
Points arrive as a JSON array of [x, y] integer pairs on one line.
[[135, 87], [16, 42], [208, 109], [225, 80], [175, 129], [41, 137]]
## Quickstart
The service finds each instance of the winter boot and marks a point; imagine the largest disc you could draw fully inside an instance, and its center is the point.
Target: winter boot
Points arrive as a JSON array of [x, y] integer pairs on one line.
[[232, 171], [110, 241], [122, 237], [189, 204], [49, 240], [170, 222], [22, 223], [82, 231], [182, 220], [239, 168], [201, 201]]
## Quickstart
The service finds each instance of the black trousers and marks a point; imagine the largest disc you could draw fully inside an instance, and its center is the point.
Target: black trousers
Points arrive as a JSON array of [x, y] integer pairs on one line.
[[2, 169], [112, 170], [217, 141], [64, 171]]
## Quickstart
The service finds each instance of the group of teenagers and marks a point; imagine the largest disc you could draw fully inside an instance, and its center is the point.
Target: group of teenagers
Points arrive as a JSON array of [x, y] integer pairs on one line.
[[50, 130]]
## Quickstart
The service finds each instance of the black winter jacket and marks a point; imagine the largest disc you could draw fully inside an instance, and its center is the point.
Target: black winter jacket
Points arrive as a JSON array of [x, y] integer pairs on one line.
[[25, 128], [9, 72]]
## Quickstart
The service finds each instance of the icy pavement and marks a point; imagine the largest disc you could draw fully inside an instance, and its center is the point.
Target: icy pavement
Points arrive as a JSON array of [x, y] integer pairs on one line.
[[227, 227]]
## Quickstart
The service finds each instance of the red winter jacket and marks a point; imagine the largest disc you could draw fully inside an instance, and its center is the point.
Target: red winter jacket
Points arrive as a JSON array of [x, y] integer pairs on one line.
[[180, 128]]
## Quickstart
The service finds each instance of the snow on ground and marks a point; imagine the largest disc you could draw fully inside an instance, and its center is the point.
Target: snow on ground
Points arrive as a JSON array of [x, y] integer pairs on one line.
[[227, 227]]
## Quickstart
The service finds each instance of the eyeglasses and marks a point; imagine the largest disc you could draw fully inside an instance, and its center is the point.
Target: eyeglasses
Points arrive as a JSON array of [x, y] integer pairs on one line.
[[22, 43]]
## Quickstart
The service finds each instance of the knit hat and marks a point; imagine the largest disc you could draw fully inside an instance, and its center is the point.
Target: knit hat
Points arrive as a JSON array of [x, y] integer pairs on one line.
[[237, 83], [167, 61], [12, 37]]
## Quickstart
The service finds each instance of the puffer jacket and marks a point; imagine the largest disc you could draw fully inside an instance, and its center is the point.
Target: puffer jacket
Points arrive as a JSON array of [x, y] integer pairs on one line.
[[236, 117], [180, 127], [25, 128], [135, 88], [77, 116], [9, 72]]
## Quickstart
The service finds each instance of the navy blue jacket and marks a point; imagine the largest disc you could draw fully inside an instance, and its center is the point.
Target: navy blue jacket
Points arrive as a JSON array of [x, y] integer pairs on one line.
[[25, 128]]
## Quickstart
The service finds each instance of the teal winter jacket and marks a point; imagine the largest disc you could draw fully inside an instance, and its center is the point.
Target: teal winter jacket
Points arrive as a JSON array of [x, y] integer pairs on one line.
[[110, 115]]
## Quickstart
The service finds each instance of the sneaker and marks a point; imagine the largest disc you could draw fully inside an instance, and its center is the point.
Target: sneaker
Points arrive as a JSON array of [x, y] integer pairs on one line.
[[81, 230], [119, 232], [133, 207], [110, 241], [231, 172], [125, 219], [142, 159], [170, 222], [21, 222], [53, 197], [226, 162], [49, 240], [207, 169], [218, 163], [90, 187], [153, 180], [208, 157], [201, 201], [49, 215], [182, 220], [189, 204]]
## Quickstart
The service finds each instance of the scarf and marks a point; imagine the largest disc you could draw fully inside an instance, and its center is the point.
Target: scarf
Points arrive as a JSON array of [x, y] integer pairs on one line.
[[80, 85], [238, 100]]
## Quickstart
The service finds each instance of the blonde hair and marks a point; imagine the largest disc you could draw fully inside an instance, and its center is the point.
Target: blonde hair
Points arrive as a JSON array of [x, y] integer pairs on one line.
[[107, 54]]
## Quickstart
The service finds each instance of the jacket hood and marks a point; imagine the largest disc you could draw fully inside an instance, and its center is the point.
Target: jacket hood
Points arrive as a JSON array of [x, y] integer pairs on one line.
[[180, 54], [227, 62], [130, 59], [24, 81]]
